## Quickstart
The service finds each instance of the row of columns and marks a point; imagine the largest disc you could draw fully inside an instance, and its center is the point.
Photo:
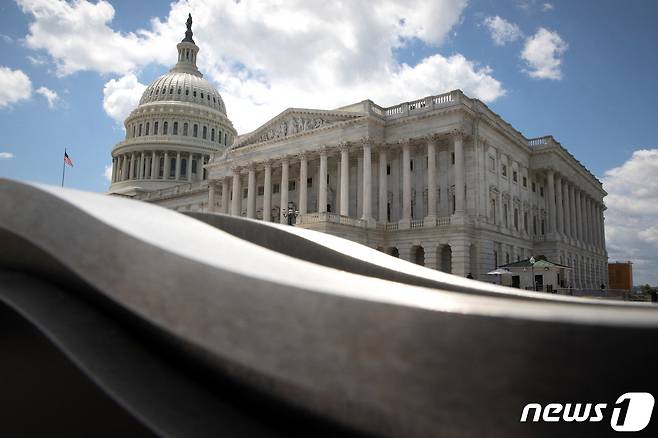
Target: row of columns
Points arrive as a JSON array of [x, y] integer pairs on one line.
[[573, 213], [146, 166], [365, 161]]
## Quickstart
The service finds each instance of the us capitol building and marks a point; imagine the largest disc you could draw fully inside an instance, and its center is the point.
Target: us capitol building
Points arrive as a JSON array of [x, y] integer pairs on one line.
[[442, 181]]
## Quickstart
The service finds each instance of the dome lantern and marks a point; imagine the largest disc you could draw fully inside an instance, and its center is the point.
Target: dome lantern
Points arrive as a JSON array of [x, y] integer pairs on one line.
[[187, 53]]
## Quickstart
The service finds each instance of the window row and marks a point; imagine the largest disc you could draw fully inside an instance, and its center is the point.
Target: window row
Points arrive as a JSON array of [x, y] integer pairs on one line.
[[155, 92], [143, 129]]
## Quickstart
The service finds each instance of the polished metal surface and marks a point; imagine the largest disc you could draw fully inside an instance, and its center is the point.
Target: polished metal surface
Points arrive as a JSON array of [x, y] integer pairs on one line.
[[337, 333]]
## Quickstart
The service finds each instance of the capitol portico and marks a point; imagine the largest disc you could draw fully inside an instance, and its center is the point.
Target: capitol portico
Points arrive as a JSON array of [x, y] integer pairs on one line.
[[442, 181]]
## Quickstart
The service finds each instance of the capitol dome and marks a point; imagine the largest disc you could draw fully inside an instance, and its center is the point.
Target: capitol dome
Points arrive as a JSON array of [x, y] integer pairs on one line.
[[178, 125]]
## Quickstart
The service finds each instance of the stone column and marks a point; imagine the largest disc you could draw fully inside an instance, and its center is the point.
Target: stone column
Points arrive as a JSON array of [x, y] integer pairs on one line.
[[177, 177], [251, 192], [406, 182], [225, 195], [267, 193], [236, 202], [189, 167], [431, 180], [303, 187], [460, 189], [358, 193], [140, 170], [114, 169], [154, 166], [344, 179], [165, 171], [199, 168], [558, 201], [383, 186], [550, 200], [367, 181], [284, 189], [322, 194], [587, 221], [578, 215], [572, 213], [132, 166], [211, 196]]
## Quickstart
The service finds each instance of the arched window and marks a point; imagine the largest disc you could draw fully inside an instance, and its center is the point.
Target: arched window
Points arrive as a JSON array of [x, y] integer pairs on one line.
[[205, 132], [175, 128], [164, 90], [219, 137], [165, 128], [195, 132], [147, 128], [225, 139], [185, 128], [139, 133], [179, 90], [187, 91], [155, 128], [212, 134], [171, 90], [201, 95], [134, 130], [183, 167], [194, 93]]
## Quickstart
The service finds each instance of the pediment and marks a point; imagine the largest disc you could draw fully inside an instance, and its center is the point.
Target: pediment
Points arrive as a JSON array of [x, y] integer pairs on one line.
[[295, 121]]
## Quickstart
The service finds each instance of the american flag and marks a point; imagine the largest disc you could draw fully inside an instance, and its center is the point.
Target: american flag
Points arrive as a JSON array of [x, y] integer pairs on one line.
[[67, 160]]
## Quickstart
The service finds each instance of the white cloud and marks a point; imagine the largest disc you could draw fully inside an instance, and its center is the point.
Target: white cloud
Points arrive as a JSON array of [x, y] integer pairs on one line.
[[268, 55], [120, 96], [542, 53], [632, 215], [107, 173], [14, 86], [502, 31], [547, 7], [50, 95], [6, 155]]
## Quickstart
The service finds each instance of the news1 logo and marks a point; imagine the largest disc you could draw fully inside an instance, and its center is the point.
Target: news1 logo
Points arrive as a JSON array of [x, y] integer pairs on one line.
[[631, 412]]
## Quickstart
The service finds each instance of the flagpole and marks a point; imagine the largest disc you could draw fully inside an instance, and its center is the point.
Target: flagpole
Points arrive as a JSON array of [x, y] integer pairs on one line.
[[63, 167]]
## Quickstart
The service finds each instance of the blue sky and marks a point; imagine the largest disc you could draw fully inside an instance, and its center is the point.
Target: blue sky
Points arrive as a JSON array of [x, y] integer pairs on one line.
[[590, 78]]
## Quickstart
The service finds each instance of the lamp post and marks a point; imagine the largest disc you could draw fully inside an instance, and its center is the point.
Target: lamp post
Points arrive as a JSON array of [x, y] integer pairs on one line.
[[291, 214], [532, 270]]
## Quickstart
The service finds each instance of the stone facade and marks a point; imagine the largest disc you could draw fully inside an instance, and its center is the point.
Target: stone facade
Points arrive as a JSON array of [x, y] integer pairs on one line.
[[441, 181]]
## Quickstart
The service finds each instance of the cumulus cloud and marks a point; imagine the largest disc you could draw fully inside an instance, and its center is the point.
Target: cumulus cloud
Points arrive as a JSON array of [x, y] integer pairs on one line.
[[107, 173], [542, 53], [50, 95], [502, 31], [120, 96], [6, 155], [14, 86], [547, 7], [632, 215], [265, 55]]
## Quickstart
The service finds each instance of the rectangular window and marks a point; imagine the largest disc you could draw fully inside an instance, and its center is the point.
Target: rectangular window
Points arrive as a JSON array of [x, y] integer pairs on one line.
[[195, 132], [516, 219], [140, 130], [155, 128], [388, 169], [225, 139], [276, 188], [492, 163], [212, 134], [261, 190], [147, 128], [175, 128], [185, 129], [245, 193], [194, 166], [525, 182], [291, 185], [427, 161], [515, 176], [205, 132], [525, 222], [541, 191], [532, 184], [411, 165], [452, 158], [504, 170], [309, 182]]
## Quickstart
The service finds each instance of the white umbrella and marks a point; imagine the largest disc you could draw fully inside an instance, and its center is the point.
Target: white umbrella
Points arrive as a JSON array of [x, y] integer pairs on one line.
[[499, 271]]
